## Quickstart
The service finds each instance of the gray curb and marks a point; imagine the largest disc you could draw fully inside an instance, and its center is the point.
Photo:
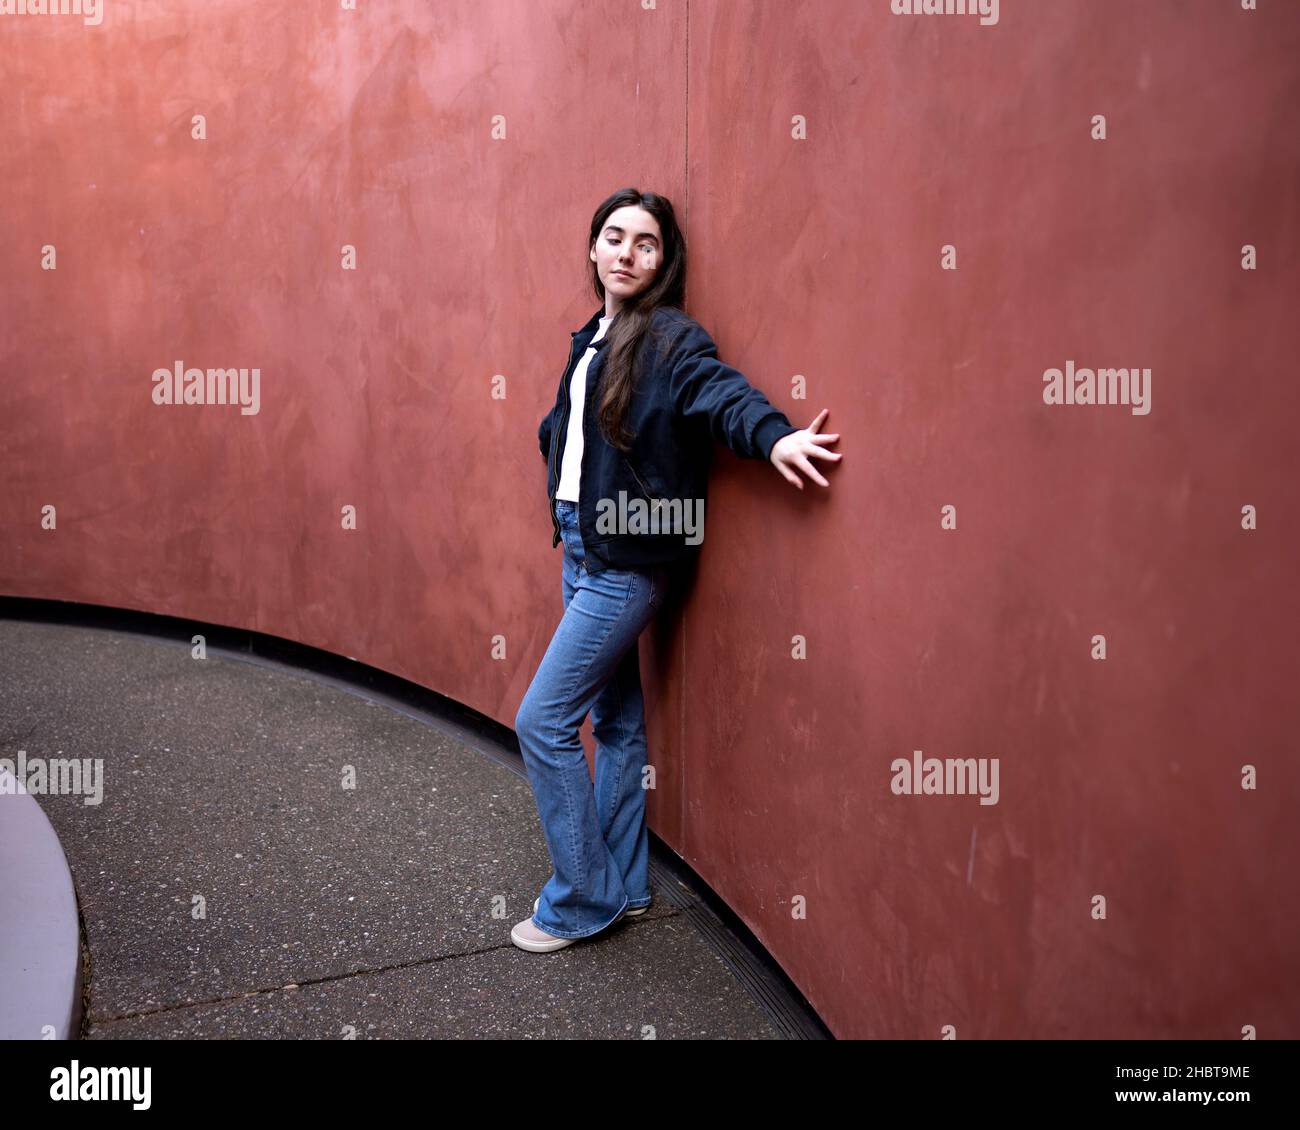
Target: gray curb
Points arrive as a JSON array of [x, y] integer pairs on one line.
[[40, 935]]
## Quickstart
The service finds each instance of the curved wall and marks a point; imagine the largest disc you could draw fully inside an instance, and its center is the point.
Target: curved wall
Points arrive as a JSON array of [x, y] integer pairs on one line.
[[822, 157]]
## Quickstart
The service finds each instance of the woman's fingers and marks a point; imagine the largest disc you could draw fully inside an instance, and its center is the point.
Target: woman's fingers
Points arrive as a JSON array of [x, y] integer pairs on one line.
[[786, 474], [797, 453], [811, 471]]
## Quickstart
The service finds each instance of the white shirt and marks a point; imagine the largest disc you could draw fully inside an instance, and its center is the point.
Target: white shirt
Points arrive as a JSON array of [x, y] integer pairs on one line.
[[571, 465]]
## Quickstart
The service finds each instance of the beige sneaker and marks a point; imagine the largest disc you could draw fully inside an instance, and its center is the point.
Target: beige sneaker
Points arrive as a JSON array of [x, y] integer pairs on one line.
[[528, 937], [532, 938]]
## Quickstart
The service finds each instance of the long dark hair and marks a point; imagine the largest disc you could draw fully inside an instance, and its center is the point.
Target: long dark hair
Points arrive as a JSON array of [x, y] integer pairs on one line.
[[627, 334]]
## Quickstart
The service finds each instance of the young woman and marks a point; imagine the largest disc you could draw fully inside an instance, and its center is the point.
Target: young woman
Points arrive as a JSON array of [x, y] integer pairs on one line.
[[628, 445]]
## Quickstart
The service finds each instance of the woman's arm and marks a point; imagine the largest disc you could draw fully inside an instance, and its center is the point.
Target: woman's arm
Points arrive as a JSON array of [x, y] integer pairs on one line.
[[738, 414], [544, 434]]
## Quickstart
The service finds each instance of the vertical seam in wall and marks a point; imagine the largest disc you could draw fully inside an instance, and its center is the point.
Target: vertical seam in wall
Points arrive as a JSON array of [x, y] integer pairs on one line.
[[686, 129], [685, 682]]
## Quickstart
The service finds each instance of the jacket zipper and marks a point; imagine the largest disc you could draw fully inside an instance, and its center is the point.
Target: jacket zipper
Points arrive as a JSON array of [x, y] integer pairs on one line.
[[655, 503], [552, 476]]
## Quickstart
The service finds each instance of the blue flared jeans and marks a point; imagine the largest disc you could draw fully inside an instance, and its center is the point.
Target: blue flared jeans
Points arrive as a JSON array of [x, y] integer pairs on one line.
[[597, 839]]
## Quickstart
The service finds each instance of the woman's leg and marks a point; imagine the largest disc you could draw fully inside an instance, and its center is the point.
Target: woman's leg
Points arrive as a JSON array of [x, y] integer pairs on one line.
[[618, 725], [605, 614], [618, 722]]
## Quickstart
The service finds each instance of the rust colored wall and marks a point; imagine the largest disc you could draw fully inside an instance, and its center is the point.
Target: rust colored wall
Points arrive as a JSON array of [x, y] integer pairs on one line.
[[817, 256]]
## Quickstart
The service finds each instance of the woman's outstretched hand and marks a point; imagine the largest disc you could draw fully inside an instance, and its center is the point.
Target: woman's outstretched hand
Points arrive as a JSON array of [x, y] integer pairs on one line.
[[792, 452]]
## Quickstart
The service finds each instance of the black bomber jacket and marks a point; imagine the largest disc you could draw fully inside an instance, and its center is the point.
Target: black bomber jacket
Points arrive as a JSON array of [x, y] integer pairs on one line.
[[646, 506]]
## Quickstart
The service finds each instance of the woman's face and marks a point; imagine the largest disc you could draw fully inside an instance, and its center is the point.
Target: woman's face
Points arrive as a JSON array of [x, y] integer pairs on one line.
[[627, 253]]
